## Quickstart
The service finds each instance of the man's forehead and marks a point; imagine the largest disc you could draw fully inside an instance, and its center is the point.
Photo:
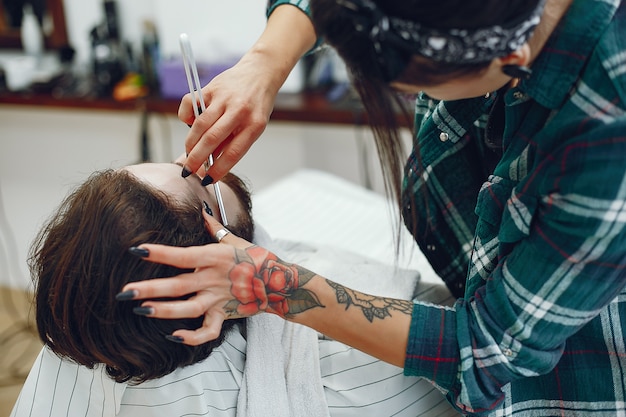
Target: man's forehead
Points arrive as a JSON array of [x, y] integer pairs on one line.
[[167, 178], [163, 176]]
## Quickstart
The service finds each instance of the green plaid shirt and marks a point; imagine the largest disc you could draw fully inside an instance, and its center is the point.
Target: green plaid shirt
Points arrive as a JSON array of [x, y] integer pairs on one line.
[[533, 237], [541, 250]]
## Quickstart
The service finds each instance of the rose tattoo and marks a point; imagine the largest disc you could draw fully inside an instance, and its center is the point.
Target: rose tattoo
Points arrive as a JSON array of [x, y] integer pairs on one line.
[[263, 282]]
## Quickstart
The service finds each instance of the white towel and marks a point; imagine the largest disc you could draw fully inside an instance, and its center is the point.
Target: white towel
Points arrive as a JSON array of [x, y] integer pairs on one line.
[[282, 374]]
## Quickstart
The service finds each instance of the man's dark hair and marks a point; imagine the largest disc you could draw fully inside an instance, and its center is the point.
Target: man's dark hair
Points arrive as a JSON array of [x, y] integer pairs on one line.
[[79, 261]]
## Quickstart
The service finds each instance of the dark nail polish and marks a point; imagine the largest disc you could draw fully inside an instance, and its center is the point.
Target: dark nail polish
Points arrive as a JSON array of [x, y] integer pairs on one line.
[[186, 172], [141, 252], [207, 180], [207, 208], [175, 339], [143, 311], [126, 295]]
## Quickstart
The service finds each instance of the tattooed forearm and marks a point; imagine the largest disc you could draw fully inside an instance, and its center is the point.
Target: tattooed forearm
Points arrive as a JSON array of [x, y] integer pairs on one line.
[[371, 306], [263, 282]]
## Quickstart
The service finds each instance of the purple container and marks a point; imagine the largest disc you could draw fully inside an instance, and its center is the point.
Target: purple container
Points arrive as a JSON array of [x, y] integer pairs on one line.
[[173, 80]]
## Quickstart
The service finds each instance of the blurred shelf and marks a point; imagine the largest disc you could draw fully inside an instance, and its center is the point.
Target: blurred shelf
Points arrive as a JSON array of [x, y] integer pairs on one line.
[[309, 107], [46, 100]]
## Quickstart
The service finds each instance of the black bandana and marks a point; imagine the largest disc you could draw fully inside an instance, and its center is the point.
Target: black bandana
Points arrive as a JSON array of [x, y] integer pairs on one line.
[[396, 39]]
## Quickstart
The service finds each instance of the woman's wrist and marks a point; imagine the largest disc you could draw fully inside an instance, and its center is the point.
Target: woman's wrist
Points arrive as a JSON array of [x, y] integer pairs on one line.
[[289, 34]]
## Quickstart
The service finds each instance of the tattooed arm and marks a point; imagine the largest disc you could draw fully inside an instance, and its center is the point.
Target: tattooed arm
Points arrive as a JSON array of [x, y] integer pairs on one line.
[[378, 326], [263, 282], [238, 279]]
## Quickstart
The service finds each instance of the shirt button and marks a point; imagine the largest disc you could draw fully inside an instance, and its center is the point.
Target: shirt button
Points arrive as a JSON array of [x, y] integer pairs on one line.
[[518, 95], [431, 248], [443, 136], [508, 352]]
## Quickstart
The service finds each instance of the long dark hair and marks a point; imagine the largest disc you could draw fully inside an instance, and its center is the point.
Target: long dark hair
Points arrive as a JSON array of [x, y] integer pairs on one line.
[[79, 261], [337, 28]]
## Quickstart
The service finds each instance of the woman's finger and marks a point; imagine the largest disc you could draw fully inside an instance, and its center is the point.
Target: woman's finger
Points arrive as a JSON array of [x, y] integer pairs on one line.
[[185, 110], [210, 330], [179, 285], [205, 135], [189, 257], [174, 309], [220, 148], [213, 226], [234, 148]]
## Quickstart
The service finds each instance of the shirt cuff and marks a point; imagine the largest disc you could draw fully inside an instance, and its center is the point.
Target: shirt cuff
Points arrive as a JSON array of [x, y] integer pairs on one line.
[[432, 349]]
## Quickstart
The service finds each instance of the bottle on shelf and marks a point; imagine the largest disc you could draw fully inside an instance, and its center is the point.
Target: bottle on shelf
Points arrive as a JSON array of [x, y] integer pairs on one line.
[[31, 33]]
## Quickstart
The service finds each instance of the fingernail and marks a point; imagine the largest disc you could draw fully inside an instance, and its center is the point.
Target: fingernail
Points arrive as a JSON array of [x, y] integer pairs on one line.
[[126, 295], [185, 172], [141, 252], [175, 339], [207, 208], [207, 180], [143, 311]]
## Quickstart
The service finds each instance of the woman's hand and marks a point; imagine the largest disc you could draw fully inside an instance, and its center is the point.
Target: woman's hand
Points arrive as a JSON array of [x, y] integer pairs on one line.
[[240, 100], [232, 279]]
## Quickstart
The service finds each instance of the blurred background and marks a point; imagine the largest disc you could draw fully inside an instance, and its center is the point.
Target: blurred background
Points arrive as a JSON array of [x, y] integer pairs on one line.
[[92, 84]]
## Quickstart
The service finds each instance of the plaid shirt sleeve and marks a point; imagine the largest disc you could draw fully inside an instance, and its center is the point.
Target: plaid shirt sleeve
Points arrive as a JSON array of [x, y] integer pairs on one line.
[[548, 265], [301, 4]]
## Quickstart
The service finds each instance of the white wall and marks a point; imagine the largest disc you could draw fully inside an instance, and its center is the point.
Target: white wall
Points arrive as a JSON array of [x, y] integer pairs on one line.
[[213, 26]]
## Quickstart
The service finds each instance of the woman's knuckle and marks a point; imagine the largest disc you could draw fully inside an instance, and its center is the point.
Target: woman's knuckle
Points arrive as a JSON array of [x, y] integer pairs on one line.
[[232, 153], [213, 334], [197, 309], [179, 287]]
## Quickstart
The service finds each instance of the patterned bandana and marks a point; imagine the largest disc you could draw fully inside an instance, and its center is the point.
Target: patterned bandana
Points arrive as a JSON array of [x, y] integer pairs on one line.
[[396, 39]]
